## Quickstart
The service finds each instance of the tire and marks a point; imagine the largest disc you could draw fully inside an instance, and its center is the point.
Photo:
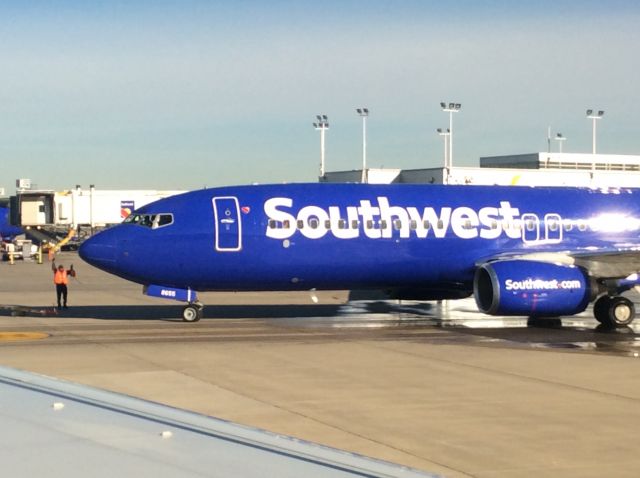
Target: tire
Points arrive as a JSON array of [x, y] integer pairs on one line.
[[622, 311], [601, 310], [614, 311], [191, 313]]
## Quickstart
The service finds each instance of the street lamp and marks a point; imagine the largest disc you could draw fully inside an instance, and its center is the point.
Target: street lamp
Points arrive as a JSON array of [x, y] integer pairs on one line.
[[593, 115], [364, 112], [560, 139], [445, 136], [322, 125], [450, 108]]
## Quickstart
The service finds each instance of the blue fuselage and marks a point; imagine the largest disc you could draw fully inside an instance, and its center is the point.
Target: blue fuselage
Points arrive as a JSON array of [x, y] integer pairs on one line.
[[423, 238]]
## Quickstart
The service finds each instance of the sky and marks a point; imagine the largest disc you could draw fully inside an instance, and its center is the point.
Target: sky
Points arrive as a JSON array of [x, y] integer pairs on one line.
[[186, 94]]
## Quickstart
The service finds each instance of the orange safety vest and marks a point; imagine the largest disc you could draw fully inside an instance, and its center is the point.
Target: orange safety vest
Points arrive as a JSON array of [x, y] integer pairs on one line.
[[60, 277]]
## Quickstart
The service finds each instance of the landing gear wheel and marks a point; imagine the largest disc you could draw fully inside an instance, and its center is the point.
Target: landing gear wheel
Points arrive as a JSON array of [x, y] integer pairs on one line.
[[601, 310], [614, 311], [622, 311], [192, 313]]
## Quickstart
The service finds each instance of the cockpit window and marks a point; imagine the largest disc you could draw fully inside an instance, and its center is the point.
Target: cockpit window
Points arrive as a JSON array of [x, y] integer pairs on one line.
[[164, 219], [153, 221]]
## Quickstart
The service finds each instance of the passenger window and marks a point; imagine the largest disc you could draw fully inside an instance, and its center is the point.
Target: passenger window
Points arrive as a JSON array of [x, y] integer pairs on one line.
[[355, 224], [494, 224], [300, 224], [427, 224], [568, 226], [582, 226], [272, 224], [440, 224], [383, 224], [369, 224], [516, 225], [413, 225], [467, 224], [327, 224], [397, 224], [342, 224], [313, 223], [286, 224]]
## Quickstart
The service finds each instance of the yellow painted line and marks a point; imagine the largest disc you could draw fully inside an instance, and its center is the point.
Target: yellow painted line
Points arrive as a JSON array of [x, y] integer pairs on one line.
[[17, 336]]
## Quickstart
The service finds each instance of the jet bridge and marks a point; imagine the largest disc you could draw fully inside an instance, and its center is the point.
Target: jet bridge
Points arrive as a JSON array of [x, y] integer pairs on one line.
[[54, 214]]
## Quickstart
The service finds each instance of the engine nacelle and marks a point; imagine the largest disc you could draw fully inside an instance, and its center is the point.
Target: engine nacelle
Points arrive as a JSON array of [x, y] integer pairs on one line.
[[531, 288]]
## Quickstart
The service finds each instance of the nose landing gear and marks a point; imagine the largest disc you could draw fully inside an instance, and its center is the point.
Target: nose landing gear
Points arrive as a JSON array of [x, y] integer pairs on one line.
[[192, 312]]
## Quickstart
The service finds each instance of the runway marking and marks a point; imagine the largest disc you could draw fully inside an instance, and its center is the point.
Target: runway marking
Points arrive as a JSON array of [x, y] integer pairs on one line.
[[22, 336]]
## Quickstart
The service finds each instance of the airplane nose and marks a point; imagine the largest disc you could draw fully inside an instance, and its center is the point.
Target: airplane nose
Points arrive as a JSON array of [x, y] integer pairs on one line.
[[99, 250]]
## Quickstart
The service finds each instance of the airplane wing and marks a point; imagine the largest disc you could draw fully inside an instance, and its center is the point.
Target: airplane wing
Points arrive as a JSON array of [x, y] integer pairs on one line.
[[56, 428], [609, 264], [601, 264]]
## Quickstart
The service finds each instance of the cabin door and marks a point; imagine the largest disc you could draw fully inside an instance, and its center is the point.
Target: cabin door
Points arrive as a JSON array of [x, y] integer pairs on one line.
[[228, 226]]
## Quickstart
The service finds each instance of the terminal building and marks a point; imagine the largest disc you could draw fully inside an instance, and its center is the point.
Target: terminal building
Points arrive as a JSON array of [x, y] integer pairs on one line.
[[534, 169], [49, 216]]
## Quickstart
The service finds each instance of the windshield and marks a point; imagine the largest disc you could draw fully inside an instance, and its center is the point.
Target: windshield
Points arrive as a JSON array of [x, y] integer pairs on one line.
[[153, 221]]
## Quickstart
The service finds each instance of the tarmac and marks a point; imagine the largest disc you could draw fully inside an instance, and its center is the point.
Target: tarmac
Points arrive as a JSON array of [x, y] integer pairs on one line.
[[437, 387]]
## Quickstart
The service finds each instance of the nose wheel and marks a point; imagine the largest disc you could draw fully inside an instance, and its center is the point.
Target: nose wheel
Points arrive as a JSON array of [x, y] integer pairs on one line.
[[192, 312]]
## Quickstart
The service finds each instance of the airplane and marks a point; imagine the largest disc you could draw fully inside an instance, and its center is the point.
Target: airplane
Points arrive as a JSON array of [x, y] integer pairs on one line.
[[521, 251], [7, 231], [127, 435]]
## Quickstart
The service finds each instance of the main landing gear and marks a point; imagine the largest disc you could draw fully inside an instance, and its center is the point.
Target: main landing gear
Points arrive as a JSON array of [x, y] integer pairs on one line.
[[614, 311], [192, 312]]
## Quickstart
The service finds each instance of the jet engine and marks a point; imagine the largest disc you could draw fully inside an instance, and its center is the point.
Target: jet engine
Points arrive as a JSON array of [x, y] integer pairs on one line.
[[531, 288]]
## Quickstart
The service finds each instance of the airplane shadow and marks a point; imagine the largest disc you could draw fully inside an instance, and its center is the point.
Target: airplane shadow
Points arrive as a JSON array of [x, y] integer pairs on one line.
[[174, 312]]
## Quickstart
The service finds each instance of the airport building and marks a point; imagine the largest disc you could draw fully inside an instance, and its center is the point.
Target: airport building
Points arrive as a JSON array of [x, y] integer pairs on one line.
[[49, 216], [534, 169]]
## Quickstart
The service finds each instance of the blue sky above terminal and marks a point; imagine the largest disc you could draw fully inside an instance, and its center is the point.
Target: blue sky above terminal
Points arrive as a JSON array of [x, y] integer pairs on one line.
[[179, 95]]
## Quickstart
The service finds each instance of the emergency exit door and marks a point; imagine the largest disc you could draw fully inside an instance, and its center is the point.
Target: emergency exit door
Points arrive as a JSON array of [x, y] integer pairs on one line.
[[228, 228]]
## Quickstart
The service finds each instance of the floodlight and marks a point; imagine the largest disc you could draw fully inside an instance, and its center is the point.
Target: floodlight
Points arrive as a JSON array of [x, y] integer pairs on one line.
[[594, 116]]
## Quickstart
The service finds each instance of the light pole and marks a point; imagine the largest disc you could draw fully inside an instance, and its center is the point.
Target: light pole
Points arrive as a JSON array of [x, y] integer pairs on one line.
[[450, 108], [364, 112], [593, 115], [322, 125], [91, 190], [560, 139], [445, 135]]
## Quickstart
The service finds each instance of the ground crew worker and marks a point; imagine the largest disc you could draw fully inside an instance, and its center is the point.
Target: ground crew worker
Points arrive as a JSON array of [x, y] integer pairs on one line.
[[61, 279]]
